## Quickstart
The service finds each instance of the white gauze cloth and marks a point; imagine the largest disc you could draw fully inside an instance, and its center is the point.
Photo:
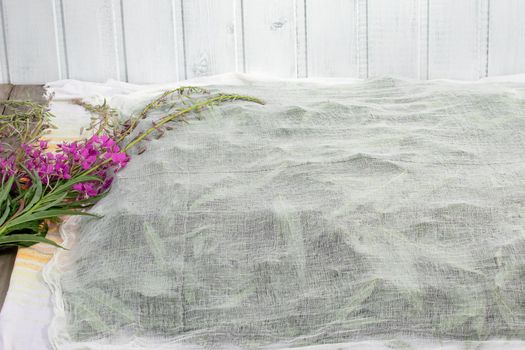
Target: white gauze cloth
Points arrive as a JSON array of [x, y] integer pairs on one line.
[[372, 215]]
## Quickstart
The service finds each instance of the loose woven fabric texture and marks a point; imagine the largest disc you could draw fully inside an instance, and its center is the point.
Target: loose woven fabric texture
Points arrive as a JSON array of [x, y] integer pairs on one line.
[[385, 210]]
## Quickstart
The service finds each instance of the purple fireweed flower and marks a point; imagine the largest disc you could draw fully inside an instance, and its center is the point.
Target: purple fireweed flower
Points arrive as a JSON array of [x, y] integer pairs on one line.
[[120, 159], [7, 166], [99, 155], [87, 188]]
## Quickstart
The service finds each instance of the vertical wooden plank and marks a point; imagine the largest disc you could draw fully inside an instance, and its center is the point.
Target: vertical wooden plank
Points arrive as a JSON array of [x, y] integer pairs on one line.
[[177, 19], [91, 39], [362, 38], [238, 27], [393, 38], [31, 38], [483, 37], [301, 35], [4, 64], [58, 8], [423, 9], [332, 38], [209, 32], [506, 37], [118, 29], [457, 39], [270, 37], [152, 33]]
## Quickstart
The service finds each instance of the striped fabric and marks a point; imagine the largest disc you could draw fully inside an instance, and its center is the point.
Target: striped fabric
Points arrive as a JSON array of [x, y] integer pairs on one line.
[[27, 310]]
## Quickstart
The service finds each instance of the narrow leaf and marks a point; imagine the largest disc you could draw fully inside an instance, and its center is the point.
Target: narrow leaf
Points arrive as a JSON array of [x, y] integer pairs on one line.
[[6, 212], [85, 178], [56, 200], [25, 238], [46, 214], [5, 189], [32, 226], [38, 192]]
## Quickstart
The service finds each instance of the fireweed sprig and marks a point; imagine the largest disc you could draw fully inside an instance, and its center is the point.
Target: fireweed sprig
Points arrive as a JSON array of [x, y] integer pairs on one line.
[[39, 186], [23, 122]]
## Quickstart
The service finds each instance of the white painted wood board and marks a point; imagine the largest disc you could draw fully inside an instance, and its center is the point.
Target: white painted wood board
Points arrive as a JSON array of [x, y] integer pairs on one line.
[[394, 41], [332, 40], [33, 51], [209, 32], [457, 39], [4, 69], [91, 39], [506, 37], [168, 40], [270, 37], [153, 40]]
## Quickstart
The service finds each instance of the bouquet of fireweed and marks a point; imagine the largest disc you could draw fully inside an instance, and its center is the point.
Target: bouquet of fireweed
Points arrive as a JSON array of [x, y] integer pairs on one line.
[[39, 186]]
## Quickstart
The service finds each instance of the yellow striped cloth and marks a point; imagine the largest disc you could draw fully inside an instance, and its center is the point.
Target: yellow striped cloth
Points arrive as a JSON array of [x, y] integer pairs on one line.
[[27, 310]]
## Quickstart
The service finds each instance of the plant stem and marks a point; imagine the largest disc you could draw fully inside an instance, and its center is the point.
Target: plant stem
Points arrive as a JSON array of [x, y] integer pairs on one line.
[[195, 107], [157, 103]]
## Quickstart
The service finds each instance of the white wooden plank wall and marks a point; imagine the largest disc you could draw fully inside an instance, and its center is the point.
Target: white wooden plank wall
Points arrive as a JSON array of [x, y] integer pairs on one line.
[[4, 68], [153, 40], [210, 36], [394, 45], [32, 42], [92, 46], [458, 39], [270, 37], [332, 38], [145, 41], [507, 34]]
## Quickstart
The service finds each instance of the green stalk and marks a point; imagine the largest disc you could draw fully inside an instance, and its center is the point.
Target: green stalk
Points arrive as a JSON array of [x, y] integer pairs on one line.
[[195, 107], [156, 103], [192, 108]]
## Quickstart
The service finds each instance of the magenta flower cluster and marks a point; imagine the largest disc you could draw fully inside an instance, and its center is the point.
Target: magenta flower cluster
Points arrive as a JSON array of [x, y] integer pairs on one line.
[[7, 165], [100, 154]]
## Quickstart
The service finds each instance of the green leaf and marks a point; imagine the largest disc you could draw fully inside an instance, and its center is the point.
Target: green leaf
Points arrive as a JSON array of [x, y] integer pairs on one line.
[[357, 299], [68, 184], [6, 212], [20, 239], [46, 214], [86, 202], [37, 195], [5, 189], [26, 226], [55, 201]]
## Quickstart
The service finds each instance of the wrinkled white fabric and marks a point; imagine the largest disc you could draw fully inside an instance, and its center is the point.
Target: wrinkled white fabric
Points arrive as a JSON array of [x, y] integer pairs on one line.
[[385, 213]]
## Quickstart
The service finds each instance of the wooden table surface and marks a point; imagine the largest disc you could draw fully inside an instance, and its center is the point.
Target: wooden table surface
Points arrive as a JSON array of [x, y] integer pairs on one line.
[[14, 92]]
